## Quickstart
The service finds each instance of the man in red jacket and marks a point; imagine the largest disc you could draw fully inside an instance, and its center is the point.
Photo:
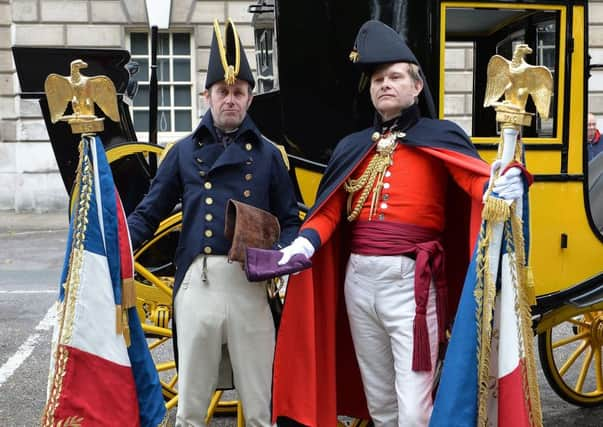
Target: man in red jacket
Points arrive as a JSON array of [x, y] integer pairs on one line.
[[396, 200]]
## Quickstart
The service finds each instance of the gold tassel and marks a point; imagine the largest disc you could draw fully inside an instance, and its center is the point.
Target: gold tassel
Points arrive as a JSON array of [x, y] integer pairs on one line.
[[496, 210], [128, 293], [530, 286], [118, 325], [126, 327]]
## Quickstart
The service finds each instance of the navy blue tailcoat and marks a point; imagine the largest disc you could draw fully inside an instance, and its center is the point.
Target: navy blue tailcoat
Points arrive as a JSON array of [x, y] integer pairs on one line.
[[203, 174]]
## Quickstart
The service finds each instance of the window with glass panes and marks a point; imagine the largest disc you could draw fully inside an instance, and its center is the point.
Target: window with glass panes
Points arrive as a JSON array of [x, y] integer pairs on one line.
[[174, 77]]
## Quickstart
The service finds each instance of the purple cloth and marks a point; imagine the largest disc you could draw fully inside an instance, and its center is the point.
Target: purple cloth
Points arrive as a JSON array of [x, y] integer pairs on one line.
[[262, 264]]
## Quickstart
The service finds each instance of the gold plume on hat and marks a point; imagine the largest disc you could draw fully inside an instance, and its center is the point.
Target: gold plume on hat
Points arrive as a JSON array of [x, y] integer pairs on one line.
[[230, 72]]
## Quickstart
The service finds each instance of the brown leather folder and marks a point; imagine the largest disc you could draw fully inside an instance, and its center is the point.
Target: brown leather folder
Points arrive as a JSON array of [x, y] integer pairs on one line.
[[246, 225]]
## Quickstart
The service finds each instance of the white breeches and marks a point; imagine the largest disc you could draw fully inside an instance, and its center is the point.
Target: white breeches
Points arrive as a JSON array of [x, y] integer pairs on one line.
[[223, 309], [380, 300]]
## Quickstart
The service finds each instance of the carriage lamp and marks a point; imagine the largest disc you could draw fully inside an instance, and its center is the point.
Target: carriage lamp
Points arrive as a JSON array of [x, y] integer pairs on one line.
[[158, 14]]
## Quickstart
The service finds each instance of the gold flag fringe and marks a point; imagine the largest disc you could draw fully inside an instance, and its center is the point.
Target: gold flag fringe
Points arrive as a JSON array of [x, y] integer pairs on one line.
[[485, 294], [523, 303], [66, 313], [496, 210]]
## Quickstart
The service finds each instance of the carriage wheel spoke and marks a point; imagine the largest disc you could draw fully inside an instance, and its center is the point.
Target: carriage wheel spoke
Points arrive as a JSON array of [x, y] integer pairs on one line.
[[570, 339], [572, 358], [584, 371]]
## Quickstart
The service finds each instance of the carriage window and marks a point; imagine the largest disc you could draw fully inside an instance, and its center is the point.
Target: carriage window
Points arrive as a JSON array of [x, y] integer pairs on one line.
[[482, 33], [174, 75]]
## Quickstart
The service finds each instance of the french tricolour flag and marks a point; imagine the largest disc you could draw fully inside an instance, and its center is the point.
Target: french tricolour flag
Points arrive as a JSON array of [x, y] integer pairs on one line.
[[101, 372], [489, 375]]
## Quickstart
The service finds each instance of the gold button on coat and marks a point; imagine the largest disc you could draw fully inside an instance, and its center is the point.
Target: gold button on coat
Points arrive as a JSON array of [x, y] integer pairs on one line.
[[207, 185], [201, 173], [208, 233], [208, 217], [209, 201], [207, 250], [247, 193], [248, 177], [248, 147]]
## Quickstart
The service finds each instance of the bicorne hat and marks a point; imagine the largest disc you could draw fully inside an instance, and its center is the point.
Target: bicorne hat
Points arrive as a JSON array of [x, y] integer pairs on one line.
[[377, 44], [227, 60]]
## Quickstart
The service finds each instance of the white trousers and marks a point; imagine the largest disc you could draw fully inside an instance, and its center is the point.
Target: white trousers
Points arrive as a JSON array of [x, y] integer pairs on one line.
[[380, 300], [216, 305]]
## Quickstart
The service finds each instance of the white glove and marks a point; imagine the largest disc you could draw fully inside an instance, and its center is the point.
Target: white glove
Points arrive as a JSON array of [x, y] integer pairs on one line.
[[509, 186], [300, 245]]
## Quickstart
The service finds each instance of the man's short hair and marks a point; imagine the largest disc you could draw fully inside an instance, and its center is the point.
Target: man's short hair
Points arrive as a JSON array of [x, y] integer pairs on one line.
[[415, 72]]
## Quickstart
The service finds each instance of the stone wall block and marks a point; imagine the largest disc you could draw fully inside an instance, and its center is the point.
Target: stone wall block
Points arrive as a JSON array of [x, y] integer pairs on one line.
[[456, 82], [454, 59], [7, 84], [29, 108], [8, 158], [64, 11], [595, 83], [595, 102], [595, 12], [8, 108], [180, 11], [136, 11], [51, 195], [595, 34], [94, 35], [596, 55], [454, 104], [246, 35], [5, 14], [206, 11], [107, 12], [469, 102], [8, 184], [203, 35], [32, 130], [237, 11], [39, 35], [8, 130], [202, 59], [36, 157], [6, 61], [25, 11]]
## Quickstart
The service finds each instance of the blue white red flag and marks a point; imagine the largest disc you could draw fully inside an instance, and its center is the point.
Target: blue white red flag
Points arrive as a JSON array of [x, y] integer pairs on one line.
[[489, 374], [101, 371]]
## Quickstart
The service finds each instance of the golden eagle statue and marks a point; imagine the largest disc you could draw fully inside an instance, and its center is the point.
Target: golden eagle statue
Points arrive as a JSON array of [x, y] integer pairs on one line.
[[83, 92], [517, 79]]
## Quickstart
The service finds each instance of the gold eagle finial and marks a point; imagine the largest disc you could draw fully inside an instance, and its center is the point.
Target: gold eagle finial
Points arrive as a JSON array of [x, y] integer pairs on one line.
[[516, 80], [82, 92]]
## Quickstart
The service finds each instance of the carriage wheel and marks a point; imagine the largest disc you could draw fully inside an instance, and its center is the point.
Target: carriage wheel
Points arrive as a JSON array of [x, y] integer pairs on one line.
[[570, 355], [154, 278]]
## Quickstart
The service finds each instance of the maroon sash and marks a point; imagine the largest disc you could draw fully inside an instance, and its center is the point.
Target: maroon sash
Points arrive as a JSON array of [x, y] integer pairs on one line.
[[423, 244]]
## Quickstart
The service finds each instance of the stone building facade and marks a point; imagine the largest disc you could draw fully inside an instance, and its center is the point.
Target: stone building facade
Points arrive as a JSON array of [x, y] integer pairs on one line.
[[29, 179]]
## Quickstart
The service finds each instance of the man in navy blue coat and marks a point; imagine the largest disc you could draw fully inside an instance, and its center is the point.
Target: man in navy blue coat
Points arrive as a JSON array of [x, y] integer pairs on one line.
[[215, 307]]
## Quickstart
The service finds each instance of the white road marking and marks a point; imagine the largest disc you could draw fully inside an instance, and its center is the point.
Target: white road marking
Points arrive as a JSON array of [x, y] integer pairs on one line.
[[25, 350], [41, 291]]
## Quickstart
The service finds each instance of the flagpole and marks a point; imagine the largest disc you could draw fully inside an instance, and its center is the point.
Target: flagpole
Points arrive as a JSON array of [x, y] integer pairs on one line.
[[502, 289]]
